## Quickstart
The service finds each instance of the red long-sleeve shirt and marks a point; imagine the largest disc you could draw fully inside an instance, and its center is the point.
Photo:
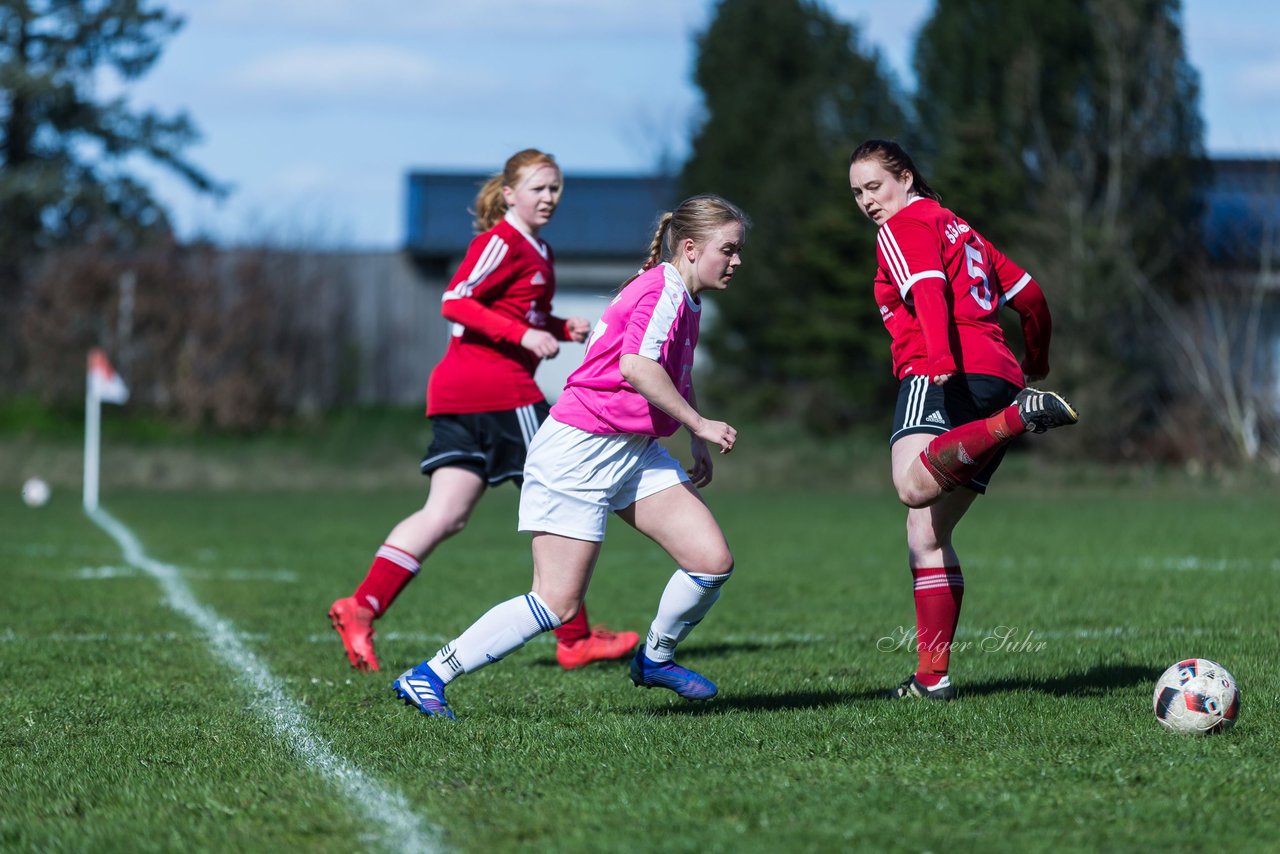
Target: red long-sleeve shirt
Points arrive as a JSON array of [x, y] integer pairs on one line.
[[503, 287], [939, 285]]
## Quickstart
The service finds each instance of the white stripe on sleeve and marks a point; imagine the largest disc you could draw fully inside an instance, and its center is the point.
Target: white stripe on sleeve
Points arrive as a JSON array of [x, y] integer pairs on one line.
[[892, 256], [662, 320], [488, 261], [1013, 291], [898, 267]]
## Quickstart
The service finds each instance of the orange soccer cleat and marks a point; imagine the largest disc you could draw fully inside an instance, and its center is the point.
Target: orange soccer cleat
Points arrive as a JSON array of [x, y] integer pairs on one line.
[[600, 645], [354, 624]]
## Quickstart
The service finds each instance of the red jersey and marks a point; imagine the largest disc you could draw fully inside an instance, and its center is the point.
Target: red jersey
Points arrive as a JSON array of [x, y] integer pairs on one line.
[[503, 287], [939, 285]]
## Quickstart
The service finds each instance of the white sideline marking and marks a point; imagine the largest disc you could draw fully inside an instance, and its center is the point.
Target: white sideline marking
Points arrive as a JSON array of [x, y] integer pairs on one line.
[[283, 576], [386, 809], [1164, 563], [1211, 564], [89, 573]]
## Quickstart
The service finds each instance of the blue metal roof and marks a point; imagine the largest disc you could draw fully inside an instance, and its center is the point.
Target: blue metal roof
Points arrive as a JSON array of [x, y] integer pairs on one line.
[[599, 215], [604, 216], [1242, 212]]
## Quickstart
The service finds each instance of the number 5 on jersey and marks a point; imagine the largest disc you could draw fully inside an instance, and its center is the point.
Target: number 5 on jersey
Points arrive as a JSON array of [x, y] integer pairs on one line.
[[973, 260]]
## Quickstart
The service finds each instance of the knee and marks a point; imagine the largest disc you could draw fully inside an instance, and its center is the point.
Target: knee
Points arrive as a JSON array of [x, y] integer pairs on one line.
[[443, 525], [917, 488], [916, 497], [452, 525], [719, 562]]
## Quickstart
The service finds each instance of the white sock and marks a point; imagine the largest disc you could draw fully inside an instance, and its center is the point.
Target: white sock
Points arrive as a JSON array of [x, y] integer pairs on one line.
[[504, 629], [687, 599]]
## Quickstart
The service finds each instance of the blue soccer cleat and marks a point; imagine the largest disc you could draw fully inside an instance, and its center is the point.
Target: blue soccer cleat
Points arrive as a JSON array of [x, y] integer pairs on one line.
[[421, 688], [668, 674]]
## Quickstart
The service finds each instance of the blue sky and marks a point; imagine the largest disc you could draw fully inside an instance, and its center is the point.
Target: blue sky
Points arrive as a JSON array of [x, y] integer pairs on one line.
[[314, 110]]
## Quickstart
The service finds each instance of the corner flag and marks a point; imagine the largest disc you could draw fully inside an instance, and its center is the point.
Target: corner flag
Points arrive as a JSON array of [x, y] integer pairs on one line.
[[102, 383]]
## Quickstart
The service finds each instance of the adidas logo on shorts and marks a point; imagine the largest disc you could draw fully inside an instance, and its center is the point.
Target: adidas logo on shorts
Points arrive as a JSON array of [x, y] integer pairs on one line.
[[935, 417]]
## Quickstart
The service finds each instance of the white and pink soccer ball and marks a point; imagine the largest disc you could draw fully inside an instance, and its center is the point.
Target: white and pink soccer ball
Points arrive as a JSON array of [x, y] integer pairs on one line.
[[1198, 697]]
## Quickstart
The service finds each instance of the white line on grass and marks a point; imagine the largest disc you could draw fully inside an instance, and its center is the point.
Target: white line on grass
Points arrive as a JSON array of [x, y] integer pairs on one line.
[[282, 576], [387, 808]]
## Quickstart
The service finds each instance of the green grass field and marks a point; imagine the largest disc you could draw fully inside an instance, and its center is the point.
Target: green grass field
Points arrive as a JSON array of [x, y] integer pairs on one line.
[[128, 724]]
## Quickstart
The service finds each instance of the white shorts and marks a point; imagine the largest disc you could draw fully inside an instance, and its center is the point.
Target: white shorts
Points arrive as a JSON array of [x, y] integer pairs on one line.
[[573, 479]]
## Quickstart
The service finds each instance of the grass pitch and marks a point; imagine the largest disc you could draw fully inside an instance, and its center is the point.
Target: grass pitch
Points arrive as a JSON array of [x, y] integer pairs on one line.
[[123, 729]]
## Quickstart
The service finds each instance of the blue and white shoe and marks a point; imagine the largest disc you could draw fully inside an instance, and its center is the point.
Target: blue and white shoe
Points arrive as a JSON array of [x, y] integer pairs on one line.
[[668, 674], [421, 688]]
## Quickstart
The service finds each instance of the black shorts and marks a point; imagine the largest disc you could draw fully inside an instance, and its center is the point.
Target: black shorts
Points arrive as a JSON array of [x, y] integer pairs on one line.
[[927, 408], [491, 444]]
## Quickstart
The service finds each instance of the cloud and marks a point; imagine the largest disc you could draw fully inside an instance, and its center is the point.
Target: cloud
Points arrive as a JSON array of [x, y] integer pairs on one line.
[[485, 19], [325, 74]]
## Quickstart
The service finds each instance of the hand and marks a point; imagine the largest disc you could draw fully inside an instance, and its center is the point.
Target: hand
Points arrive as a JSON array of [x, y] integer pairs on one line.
[[1031, 378], [700, 473], [718, 433], [1032, 375], [540, 342], [577, 328], [941, 379]]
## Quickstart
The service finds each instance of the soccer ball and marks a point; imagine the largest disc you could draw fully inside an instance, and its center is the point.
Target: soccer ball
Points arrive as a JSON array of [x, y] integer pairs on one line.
[[35, 492], [1197, 696]]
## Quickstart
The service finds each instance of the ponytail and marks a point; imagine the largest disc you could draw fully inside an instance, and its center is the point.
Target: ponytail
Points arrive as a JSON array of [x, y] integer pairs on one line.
[[490, 206], [655, 246]]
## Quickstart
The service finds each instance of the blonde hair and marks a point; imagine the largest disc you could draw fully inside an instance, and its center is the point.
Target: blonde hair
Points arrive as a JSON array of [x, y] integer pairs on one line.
[[693, 219], [490, 205]]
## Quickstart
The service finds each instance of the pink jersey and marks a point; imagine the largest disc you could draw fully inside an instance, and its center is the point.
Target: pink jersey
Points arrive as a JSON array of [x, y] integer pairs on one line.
[[654, 317]]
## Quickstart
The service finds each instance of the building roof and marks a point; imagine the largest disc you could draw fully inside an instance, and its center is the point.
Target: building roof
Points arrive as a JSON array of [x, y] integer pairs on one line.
[[613, 216], [600, 216], [1242, 212]]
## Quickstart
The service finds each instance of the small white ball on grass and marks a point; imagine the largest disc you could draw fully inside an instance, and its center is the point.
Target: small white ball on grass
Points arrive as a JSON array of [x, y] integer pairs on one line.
[[35, 492]]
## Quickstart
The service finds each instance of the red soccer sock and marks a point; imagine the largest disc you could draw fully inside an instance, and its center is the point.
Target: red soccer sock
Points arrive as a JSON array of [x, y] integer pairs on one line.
[[938, 592], [960, 453], [391, 571], [576, 629]]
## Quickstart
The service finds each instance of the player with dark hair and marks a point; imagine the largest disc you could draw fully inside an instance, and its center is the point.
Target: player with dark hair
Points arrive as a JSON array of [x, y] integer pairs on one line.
[[482, 400], [939, 285]]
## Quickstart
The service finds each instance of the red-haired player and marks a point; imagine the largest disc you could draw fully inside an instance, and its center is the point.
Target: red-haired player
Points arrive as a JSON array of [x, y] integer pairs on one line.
[[482, 400]]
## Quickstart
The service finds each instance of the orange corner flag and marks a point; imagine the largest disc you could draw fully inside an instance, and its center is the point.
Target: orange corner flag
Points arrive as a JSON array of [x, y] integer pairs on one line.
[[104, 382]]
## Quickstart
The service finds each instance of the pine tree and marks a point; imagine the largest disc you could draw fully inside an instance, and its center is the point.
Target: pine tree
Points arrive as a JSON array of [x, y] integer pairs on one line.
[[1070, 134], [788, 94], [64, 175]]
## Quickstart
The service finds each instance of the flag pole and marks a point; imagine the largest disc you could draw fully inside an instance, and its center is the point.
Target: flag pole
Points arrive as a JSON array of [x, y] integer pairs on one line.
[[102, 385], [92, 438]]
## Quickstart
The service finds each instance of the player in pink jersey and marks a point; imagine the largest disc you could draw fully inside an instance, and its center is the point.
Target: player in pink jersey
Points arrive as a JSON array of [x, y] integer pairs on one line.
[[939, 286], [598, 452], [483, 402]]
